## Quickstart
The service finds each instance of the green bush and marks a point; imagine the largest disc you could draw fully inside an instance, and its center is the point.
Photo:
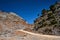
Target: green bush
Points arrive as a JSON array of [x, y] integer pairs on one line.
[[48, 31], [50, 16], [52, 8], [43, 20], [53, 22], [44, 24]]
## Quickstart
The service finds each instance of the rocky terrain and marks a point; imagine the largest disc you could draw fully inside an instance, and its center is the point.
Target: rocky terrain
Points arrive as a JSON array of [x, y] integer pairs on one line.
[[49, 22], [14, 27], [9, 22], [25, 35]]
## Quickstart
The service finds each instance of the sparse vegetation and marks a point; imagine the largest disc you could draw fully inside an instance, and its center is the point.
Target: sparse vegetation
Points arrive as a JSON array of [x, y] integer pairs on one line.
[[52, 8], [48, 31], [53, 22], [50, 20]]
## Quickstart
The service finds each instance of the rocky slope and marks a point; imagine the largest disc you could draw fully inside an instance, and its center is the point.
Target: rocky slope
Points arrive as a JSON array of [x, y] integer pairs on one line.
[[10, 22], [13, 27], [49, 22]]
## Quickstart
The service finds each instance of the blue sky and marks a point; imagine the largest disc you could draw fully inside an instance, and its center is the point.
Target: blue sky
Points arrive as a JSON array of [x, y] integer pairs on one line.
[[27, 9]]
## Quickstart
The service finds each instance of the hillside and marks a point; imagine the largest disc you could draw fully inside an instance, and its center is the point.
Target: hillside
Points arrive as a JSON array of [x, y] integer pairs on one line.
[[9, 22], [49, 22], [45, 27]]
